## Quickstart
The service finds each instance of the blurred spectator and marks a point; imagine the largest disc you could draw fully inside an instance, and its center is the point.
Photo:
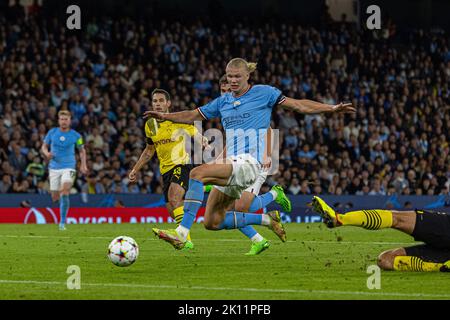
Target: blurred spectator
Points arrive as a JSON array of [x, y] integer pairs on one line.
[[396, 143], [92, 186]]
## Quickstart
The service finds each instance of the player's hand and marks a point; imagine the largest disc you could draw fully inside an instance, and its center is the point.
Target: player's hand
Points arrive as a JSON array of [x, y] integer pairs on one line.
[[344, 108], [154, 114], [84, 170], [132, 176], [48, 155], [267, 164]]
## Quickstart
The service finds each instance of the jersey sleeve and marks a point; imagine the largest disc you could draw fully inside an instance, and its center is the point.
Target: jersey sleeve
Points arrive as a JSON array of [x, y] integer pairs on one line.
[[275, 96], [48, 137], [148, 133], [79, 142], [211, 109]]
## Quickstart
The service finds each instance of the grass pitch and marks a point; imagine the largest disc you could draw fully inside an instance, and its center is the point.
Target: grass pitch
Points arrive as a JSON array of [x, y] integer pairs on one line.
[[315, 263]]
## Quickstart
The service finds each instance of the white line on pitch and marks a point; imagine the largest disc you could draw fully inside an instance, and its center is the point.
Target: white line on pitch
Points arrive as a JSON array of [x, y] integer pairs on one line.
[[177, 287], [219, 240]]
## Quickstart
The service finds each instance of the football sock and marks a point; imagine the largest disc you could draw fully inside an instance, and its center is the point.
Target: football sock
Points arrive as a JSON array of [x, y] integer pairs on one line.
[[248, 231], [64, 205], [257, 238], [410, 263], [178, 213], [237, 220], [192, 203], [368, 219], [262, 201]]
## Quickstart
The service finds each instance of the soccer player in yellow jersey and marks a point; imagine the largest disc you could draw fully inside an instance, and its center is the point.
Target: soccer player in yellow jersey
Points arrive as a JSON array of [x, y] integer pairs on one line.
[[167, 139]]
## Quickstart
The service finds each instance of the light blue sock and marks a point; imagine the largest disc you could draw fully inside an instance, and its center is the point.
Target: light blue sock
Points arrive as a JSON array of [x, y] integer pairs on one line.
[[192, 202], [248, 231], [237, 220], [64, 204], [261, 201]]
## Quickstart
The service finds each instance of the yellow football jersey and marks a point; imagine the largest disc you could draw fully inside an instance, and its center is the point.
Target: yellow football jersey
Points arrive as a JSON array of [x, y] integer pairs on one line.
[[169, 141]]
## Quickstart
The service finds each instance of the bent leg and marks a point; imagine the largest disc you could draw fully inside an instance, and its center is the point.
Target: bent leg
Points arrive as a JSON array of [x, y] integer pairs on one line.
[[416, 258], [217, 174], [245, 204], [216, 209], [216, 218]]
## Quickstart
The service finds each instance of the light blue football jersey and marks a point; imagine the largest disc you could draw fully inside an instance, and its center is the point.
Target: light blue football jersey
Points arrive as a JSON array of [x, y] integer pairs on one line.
[[245, 118], [62, 146]]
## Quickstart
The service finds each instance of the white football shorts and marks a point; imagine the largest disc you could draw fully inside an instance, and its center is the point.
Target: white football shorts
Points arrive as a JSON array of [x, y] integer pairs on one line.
[[58, 177], [246, 170]]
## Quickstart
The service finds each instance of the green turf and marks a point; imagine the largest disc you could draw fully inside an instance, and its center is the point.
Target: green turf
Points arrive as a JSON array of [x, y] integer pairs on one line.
[[315, 263]]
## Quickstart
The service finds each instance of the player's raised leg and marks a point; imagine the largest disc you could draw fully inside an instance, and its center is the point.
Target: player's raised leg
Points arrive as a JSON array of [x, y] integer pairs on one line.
[[217, 218], [216, 174], [373, 219]]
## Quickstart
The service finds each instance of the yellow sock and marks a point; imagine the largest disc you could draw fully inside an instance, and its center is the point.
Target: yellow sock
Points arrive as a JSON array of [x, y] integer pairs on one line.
[[368, 219], [409, 263], [179, 213]]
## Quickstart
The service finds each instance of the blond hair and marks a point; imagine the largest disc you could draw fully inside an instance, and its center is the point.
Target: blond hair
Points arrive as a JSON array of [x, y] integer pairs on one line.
[[239, 63], [64, 113]]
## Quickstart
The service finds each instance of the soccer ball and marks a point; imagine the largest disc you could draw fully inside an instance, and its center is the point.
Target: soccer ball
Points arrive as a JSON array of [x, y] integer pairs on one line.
[[123, 251]]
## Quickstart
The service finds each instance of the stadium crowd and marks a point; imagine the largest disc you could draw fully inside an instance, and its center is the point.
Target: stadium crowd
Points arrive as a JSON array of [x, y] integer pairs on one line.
[[397, 143]]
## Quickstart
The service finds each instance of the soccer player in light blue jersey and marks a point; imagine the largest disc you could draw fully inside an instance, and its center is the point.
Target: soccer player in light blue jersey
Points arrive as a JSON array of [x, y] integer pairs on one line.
[[59, 148], [245, 114], [251, 201]]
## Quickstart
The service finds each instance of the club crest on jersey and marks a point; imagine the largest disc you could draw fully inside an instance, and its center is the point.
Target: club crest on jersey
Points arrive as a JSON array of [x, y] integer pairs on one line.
[[236, 103], [62, 138]]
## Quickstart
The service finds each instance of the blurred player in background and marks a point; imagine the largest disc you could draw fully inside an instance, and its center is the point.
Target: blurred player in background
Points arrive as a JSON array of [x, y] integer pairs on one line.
[[59, 148], [250, 200], [166, 139], [246, 109], [430, 227]]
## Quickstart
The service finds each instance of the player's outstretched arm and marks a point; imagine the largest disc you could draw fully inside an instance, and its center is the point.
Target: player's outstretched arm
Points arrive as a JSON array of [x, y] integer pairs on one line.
[[145, 157], [187, 117], [312, 107]]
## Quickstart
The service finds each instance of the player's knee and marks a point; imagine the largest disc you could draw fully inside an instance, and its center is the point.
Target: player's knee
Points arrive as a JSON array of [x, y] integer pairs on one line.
[[197, 173], [174, 203], [386, 259], [211, 224], [242, 206]]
